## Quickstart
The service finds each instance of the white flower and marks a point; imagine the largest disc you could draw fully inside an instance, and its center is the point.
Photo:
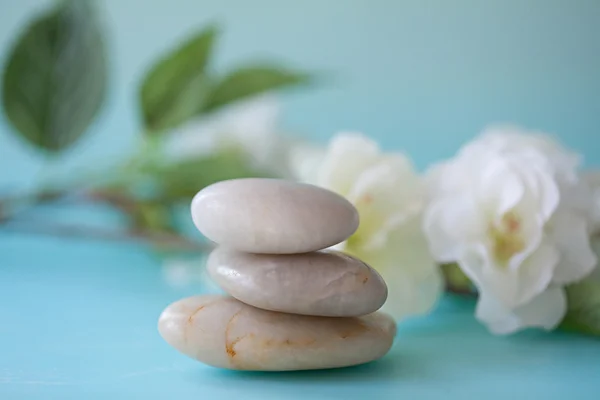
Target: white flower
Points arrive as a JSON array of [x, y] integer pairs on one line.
[[593, 180], [251, 127], [543, 311], [389, 197], [511, 210]]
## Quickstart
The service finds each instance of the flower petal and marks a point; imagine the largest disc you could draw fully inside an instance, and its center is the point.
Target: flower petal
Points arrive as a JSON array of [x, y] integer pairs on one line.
[[451, 223], [305, 160], [543, 192], [500, 187], [348, 155], [413, 278], [384, 194], [250, 125], [451, 177], [407, 297], [536, 273], [577, 258], [544, 311], [592, 181], [513, 140], [511, 287]]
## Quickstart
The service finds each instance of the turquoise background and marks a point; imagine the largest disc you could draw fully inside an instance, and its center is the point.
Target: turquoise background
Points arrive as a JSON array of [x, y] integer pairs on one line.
[[78, 318], [422, 76]]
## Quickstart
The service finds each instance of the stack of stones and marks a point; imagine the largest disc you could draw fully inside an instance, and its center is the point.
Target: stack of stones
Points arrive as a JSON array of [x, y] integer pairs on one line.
[[291, 304]]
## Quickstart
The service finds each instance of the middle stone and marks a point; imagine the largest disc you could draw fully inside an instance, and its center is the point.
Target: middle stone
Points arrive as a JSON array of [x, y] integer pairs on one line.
[[322, 283]]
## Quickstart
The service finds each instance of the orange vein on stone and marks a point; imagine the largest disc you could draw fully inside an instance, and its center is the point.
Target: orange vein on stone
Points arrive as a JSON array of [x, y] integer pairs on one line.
[[229, 345], [191, 319]]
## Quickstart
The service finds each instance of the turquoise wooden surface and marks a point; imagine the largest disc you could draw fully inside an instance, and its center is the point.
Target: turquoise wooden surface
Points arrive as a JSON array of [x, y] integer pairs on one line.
[[78, 321]]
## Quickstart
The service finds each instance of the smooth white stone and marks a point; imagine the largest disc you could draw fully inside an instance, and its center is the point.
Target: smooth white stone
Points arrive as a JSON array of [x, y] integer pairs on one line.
[[273, 216], [323, 283], [226, 333]]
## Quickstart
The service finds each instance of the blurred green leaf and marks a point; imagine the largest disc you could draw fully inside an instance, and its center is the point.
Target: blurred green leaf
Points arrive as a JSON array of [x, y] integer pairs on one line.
[[55, 79], [175, 88], [583, 302], [250, 81], [151, 200], [182, 180], [152, 217]]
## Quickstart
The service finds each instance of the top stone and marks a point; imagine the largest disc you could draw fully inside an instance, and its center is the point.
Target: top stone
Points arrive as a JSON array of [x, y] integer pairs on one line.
[[272, 216]]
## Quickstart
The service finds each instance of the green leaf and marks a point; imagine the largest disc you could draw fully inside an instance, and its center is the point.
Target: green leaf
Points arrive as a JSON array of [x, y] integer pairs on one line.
[[54, 82], [181, 181], [176, 87], [250, 81], [583, 312], [152, 217]]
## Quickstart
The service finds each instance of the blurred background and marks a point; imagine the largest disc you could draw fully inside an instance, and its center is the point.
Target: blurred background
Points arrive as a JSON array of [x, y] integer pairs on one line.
[[111, 87], [418, 76], [421, 76]]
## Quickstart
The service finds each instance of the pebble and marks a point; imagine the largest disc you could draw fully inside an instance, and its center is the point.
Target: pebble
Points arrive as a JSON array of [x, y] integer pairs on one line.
[[323, 283], [273, 216], [226, 333]]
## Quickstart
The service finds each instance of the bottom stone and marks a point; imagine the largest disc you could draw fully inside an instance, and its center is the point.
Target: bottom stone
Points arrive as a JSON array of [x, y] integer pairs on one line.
[[226, 333]]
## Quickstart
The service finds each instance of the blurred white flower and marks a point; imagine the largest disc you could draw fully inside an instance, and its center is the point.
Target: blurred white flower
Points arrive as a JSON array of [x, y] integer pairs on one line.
[[389, 197], [592, 178], [546, 310], [511, 210], [251, 127], [595, 275]]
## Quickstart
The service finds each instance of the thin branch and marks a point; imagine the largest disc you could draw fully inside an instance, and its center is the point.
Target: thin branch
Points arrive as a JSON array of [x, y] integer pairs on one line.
[[162, 240], [13, 206]]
